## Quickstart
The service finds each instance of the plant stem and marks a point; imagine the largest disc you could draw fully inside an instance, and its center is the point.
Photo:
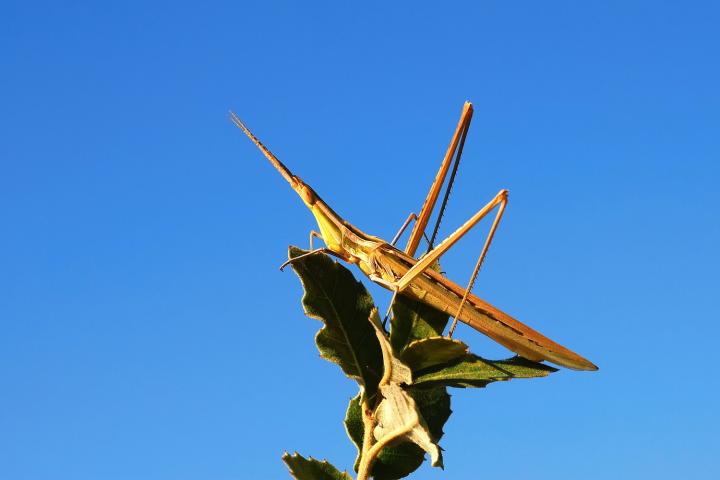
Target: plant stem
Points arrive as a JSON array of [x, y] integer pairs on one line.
[[370, 449], [368, 440]]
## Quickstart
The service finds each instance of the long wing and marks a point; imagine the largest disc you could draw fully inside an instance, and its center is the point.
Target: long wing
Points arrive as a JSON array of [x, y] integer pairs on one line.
[[439, 292]]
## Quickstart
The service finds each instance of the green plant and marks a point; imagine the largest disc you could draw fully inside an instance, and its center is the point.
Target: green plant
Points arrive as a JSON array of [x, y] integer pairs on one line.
[[402, 404]]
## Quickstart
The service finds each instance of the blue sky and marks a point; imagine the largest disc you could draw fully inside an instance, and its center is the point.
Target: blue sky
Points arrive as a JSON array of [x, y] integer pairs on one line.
[[146, 330]]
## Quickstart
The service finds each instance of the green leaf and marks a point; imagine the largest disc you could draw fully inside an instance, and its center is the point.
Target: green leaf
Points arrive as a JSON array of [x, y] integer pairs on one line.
[[396, 461], [473, 371], [400, 459], [432, 351], [399, 418], [302, 468], [394, 370], [434, 404], [412, 320], [333, 296], [354, 426]]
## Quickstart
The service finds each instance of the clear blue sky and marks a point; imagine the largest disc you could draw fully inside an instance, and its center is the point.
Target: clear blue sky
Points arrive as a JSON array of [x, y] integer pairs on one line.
[[145, 331]]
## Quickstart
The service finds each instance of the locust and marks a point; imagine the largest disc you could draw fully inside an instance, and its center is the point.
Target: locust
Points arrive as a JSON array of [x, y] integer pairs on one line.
[[417, 278]]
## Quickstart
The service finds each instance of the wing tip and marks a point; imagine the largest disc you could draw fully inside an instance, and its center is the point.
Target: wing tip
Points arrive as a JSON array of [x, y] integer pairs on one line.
[[582, 364]]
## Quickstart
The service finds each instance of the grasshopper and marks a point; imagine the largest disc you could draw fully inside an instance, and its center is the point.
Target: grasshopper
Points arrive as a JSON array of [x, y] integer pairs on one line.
[[401, 273]]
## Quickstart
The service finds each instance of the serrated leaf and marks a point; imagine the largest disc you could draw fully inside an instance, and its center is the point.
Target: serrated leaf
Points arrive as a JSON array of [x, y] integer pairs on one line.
[[432, 351], [473, 371], [333, 296], [412, 320], [399, 419], [302, 468]]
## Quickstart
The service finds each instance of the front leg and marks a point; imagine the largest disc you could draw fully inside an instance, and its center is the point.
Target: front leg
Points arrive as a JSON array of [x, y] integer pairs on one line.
[[311, 252], [314, 234]]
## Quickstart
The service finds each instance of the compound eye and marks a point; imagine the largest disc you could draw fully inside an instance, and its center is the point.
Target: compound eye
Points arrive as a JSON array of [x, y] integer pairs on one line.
[[307, 195]]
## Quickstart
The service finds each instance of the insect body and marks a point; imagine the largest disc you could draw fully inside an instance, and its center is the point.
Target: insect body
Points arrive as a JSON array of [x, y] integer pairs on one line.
[[401, 273]]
